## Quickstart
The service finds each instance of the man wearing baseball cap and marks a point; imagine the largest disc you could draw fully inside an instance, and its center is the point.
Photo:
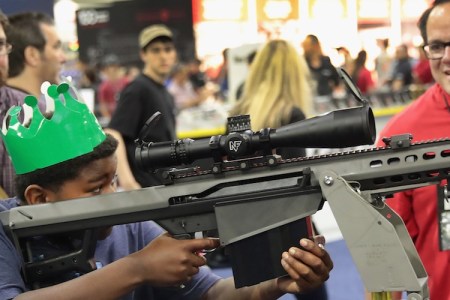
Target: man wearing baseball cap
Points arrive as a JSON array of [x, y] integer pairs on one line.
[[140, 99]]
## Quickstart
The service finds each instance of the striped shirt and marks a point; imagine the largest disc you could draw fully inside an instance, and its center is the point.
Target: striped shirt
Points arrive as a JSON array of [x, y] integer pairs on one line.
[[8, 97]]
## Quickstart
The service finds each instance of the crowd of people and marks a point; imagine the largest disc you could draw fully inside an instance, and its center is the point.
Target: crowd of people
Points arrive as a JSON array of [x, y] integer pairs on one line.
[[283, 86], [393, 80], [397, 77]]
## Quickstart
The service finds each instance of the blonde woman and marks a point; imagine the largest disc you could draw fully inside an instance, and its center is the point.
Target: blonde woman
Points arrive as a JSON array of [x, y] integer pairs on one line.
[[277, 90]]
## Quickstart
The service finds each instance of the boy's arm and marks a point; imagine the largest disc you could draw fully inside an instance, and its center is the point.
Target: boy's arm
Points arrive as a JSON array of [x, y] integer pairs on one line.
[[164, 262], [307, 269], [109, 282]]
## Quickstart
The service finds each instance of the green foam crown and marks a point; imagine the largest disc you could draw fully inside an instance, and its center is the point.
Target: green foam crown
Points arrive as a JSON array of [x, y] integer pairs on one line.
[[71, 131]]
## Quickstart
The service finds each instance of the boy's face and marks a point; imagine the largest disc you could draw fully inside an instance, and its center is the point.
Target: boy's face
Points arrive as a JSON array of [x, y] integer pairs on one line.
[[95, 179]]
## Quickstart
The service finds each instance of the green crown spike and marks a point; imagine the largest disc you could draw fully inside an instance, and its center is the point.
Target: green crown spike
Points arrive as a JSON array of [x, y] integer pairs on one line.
[[71, 131]]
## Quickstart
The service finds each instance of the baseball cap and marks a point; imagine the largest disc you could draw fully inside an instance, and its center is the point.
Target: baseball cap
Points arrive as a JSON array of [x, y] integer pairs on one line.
[[152, 32]]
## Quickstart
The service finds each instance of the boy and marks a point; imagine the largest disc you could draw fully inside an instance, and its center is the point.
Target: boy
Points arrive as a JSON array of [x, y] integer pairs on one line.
[[137, 261]]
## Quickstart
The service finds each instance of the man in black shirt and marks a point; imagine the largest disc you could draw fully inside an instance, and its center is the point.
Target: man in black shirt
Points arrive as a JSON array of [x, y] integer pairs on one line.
[[139, 100]]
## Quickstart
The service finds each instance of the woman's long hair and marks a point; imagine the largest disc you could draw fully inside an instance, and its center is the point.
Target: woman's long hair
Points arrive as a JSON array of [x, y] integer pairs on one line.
[[312, 47], [278, 81], [358, 64]]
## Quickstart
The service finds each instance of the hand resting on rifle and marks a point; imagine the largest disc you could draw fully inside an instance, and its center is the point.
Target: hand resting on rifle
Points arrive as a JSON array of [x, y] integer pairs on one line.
[[307, 266]]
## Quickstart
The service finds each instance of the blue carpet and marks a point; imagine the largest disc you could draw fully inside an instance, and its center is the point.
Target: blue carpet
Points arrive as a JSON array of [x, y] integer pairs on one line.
[[344, 282]]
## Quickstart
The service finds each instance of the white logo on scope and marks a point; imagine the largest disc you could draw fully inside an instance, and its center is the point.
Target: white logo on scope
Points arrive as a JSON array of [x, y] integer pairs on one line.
[[234, 145]]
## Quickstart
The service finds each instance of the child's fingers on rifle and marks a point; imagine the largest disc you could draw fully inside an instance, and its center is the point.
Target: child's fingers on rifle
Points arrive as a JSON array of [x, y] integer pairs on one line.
[[198, 245], [313, 256], [198, 259], [312, 246], [318, 250], [320, 241], [300, 270]]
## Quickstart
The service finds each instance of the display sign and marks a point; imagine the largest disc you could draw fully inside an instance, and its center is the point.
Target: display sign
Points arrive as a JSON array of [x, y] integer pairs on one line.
[[369, 10], [115, 29], [268, 10], [218, 10], [324, 9]]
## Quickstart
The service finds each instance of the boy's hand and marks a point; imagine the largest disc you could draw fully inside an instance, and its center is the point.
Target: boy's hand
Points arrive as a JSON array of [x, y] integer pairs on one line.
[[307, 268], [170, 262]]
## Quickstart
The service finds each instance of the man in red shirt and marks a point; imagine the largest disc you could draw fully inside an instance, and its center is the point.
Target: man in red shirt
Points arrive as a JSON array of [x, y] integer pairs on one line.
[[426, 118]]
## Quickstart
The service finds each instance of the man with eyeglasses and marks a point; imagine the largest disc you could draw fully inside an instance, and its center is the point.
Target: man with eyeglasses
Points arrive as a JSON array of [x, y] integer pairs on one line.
[[139, 100], [426, 210], [8, 97]]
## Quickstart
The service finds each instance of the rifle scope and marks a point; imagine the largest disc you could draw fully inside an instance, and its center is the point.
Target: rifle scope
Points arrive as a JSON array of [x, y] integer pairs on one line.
[[336, 129]]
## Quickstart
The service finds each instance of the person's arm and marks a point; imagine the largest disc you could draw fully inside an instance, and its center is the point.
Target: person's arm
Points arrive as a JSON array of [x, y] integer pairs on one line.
[[307, 269], [334, 79], [164, 262], [200, 95], [124, 173], [197, 96]]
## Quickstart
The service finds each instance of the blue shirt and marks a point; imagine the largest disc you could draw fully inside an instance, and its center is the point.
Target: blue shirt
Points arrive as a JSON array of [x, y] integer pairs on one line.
[[123, 240]]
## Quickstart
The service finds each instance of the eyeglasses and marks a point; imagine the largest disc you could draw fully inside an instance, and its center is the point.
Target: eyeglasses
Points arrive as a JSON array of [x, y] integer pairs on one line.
[[435, 50], [5, 48]]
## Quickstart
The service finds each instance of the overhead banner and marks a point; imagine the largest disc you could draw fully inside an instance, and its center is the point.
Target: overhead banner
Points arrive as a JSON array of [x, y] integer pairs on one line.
[[115, 29], [271, 10], [218, 10]]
